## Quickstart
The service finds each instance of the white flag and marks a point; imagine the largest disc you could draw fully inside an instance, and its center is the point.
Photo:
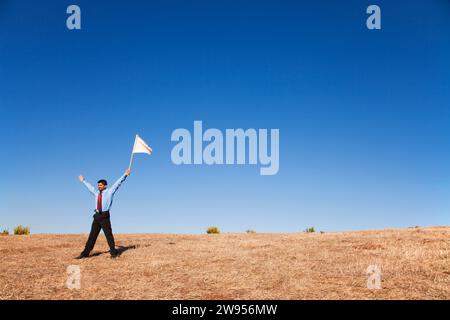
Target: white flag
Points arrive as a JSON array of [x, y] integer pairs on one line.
[[140, 146]]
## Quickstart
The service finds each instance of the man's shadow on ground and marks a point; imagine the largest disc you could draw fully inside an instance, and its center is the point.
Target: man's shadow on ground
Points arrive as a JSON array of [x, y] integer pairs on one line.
[[120, 250]]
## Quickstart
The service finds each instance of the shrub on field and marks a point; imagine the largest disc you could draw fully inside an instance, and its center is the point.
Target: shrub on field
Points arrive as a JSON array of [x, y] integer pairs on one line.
[[21, 230], [250, 231], [5, 232], [212, 230], [310, 230]]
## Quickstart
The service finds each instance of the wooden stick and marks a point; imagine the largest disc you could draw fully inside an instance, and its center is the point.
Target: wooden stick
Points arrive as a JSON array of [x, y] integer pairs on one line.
[[131, 161], [132, 154]]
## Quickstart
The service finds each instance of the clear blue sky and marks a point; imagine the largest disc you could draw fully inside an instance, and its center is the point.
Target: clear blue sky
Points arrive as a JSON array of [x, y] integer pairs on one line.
[[364, 116]]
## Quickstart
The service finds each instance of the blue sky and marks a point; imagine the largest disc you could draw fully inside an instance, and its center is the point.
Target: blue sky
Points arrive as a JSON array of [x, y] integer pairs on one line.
[[364, 116]]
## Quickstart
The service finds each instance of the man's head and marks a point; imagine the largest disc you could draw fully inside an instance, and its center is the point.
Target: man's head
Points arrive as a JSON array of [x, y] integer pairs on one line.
[[102, 184]]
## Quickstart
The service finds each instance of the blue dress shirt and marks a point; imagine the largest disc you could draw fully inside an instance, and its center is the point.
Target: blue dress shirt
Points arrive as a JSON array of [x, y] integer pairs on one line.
[[107, 194]]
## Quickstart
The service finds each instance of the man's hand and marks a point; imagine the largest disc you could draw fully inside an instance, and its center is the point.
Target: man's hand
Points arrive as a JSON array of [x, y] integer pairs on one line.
[[127, 173], [81, 178]]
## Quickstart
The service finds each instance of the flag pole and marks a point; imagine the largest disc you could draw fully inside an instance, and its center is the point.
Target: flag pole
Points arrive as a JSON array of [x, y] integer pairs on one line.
[[132, 154], [131, 161]]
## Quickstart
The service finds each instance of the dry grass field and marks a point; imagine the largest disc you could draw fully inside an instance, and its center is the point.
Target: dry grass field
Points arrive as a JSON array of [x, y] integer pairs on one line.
[[415, 264]]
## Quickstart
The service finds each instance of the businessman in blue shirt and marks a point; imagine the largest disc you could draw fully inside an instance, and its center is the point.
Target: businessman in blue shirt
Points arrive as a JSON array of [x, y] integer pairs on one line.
[[103, 202]]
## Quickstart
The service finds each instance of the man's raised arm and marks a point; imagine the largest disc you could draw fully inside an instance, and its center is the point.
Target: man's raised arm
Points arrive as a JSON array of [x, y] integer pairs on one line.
[[88, 185], [117, 184]]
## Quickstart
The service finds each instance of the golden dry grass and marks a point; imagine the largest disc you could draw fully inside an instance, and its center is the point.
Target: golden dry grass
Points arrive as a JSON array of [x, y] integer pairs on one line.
[[415, 264]]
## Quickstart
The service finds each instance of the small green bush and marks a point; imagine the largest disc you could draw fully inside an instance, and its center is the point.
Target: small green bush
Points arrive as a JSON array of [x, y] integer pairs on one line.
[[250, 231], [212, 230], [5, 232], [310, 230], [21, 230]]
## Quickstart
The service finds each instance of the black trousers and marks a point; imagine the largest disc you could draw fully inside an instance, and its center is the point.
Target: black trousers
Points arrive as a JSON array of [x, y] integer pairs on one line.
[[101, 221]]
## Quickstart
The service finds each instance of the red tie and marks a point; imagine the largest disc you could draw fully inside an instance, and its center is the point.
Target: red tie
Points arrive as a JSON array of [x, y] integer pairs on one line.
[[99, 202]]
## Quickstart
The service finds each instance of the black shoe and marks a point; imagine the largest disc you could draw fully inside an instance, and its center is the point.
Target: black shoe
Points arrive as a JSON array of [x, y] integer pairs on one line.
[[114, 254], [82, 256]]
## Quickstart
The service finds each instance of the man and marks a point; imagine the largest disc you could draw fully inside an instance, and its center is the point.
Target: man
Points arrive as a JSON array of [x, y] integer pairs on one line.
[[103, 201]]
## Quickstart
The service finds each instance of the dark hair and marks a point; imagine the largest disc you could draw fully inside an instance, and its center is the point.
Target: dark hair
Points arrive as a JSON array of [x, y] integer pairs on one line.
[[103, 181]]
